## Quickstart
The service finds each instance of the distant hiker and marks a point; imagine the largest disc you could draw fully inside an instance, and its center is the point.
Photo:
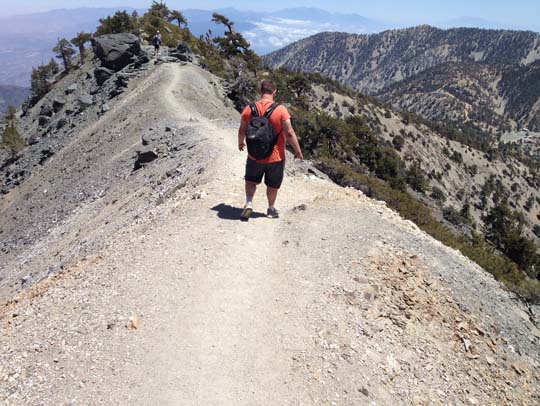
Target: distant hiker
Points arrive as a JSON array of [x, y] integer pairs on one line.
[[156, 41], [266, 127]]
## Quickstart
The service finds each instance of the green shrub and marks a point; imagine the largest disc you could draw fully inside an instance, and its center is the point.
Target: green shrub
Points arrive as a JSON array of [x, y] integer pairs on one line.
[[416, 178], [120, 22], [398, 142], [12, 140], [438, 194]]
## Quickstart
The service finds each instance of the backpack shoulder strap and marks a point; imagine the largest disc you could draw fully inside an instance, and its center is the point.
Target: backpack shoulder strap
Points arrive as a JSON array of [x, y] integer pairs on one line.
[[254, 111], [271, 110]]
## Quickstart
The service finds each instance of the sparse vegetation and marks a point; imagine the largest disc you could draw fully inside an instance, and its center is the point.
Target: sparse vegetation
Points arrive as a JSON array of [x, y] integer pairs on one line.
[[398, 142], [416, 178], [504, 228], [11, 138], [476, 248], [438, 194], [178, 16], [64, 51], [40, 81], [79, 41]]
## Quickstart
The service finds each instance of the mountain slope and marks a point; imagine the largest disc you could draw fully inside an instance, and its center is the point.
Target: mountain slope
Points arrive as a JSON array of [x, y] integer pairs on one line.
[[183, 305], [373, 62], [403, 66]]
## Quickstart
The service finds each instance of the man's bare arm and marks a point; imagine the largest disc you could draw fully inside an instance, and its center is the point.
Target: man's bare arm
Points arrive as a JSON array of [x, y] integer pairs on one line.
[[292, 139], [242, 135]]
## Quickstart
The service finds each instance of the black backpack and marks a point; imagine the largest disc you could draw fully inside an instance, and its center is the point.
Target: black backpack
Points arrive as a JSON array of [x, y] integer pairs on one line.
[[261, 136]]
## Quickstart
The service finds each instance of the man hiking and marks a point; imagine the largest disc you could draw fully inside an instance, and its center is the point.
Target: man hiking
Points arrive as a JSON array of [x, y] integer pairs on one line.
[[266, 127], [156, 41]]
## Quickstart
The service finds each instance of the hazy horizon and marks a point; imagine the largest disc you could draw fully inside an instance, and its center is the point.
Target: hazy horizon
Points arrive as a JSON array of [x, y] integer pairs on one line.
[[499, 14]]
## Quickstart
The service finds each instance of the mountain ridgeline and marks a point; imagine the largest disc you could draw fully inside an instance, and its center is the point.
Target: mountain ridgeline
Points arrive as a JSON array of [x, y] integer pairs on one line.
[[458, 189], [120, 198], [487, 78]]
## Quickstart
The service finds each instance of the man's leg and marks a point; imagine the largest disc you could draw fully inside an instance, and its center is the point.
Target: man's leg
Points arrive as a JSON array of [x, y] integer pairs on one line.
[[251, 188], [254, 175], [273, 178], [271, 194]]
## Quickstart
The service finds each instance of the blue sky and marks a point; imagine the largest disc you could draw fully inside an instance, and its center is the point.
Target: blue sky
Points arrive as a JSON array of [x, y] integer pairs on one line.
[[517, 13]]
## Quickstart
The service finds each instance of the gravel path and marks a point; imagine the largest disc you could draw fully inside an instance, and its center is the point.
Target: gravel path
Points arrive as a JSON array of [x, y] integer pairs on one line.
[[339, 302]]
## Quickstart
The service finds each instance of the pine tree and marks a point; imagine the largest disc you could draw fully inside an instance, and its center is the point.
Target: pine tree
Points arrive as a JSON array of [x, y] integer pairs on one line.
[[10, 115], [180, 19], [79, 41], [120, 22], [11, 139], [233, 43], [159, 9], [65, 52]]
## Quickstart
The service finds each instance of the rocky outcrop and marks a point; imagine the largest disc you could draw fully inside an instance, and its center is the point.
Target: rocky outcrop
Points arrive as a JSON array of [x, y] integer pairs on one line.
[[144, 157], [115, 51], [85, 100], [182, 53]]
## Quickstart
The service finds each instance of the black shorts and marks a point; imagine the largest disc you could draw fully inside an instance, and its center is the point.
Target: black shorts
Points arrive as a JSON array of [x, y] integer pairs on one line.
[[273, 173]]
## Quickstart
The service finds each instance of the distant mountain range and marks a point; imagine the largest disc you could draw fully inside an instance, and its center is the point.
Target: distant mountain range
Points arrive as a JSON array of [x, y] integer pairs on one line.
[[489, 78], [27, 40]]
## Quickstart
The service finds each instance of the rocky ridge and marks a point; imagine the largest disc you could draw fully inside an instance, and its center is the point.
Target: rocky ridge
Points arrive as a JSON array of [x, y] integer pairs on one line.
[[385, 314], [147, 290]]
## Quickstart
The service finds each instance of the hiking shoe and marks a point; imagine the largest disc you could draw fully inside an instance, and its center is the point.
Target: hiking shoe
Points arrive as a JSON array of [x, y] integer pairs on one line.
[[246, 213], [272, 213]]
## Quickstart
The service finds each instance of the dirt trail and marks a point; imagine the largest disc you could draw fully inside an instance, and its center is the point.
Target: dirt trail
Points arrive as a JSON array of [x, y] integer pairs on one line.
[[225, 336], [339, 302]]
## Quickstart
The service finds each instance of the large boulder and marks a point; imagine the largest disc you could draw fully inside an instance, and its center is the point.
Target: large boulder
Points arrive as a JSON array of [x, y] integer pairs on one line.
[[182, 53], [115, 51], [183, 48]]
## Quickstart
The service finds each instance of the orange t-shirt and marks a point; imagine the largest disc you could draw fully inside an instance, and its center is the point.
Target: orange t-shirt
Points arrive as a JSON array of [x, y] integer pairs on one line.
[[277, 118]]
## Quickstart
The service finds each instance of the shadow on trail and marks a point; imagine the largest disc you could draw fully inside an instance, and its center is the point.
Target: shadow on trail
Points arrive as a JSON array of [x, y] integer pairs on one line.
[[226, 212]]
